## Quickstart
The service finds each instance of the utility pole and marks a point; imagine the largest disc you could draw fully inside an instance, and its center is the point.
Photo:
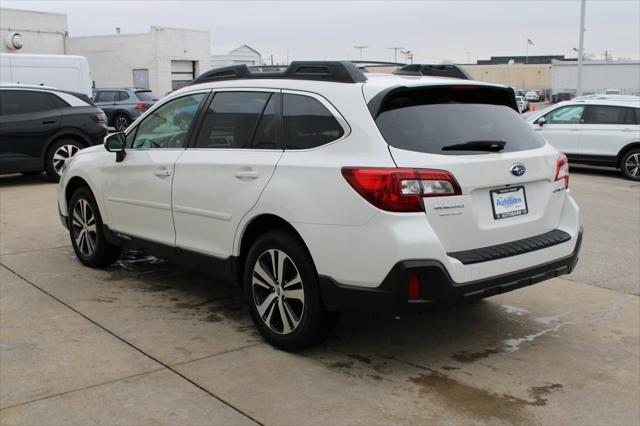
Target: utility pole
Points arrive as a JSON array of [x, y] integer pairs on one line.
[[468, 58], [606, 55], [272, 59], [361, 48], [395, 52], [583, 5]]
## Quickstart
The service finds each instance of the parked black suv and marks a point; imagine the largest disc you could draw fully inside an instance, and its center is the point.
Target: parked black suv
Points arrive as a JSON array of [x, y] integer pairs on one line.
[[42, 127]]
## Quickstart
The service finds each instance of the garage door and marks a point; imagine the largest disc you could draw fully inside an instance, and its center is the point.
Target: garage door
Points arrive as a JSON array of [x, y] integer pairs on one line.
[[182, 72]]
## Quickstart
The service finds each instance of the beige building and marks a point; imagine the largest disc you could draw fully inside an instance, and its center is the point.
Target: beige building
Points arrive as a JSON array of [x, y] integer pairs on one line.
[[521, 76]]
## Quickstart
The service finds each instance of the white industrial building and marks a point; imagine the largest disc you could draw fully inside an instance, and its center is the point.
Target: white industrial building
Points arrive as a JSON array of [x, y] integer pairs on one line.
[[24, 31], [241, 55], [162, 59], [597, 76]]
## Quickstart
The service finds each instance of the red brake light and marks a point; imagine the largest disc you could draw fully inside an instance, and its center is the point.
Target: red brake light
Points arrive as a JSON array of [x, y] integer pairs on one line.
[[141, 106], [562, 170], [414, 287], [400, 190], [100, 118]]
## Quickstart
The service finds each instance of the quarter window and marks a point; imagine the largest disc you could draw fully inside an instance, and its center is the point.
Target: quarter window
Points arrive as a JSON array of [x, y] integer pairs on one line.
[[566, 115], [307, 123], [167, 126], [232, 120], [123, 96]]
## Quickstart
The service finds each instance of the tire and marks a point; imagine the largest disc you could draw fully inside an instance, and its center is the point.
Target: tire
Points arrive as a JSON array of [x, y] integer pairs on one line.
[[295, 294], [56, 154], [630, 164], [121, 122], [87, 233]]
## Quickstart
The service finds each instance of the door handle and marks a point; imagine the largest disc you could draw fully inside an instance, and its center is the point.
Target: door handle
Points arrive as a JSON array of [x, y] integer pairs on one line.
[[162, 172], [49, 122], [246, 174]]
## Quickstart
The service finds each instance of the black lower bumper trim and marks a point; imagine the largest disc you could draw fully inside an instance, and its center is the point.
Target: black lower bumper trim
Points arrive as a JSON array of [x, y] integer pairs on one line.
[[513, 248], [436, 286]]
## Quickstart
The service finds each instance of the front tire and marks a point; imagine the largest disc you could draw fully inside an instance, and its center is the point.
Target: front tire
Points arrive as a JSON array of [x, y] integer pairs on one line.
[[630, 165], [56, 156], [281, 287], [87, 232]]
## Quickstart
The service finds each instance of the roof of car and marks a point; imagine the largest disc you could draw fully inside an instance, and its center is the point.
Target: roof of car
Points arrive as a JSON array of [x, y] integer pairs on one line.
[[632, 101]]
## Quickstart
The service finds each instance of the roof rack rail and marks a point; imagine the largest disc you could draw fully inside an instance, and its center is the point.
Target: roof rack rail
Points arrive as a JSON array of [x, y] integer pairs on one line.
[[453, 71], [336, 71]]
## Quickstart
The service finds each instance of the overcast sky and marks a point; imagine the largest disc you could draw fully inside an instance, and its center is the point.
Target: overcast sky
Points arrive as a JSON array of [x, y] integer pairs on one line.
[[433, 30]]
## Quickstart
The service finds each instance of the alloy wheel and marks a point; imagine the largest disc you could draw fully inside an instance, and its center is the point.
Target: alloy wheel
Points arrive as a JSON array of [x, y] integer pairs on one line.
[[121, 123], [278, 291], [632, 164], [84, 228], [61, 154]]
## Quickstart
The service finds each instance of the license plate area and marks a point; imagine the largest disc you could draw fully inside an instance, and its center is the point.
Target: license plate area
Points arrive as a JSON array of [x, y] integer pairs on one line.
[[508, 202]]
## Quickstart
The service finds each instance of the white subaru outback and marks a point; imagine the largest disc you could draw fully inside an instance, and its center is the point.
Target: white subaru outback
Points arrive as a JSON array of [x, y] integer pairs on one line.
[[323, 189]]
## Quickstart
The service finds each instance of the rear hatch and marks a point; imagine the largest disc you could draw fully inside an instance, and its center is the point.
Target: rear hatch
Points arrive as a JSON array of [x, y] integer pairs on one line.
[[505, 171]]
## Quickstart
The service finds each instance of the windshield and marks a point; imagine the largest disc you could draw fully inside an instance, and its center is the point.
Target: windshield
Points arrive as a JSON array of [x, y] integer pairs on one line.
[[457, 128]]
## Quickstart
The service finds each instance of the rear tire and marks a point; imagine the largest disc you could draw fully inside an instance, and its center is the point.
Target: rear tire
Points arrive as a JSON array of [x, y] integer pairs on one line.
[[121, 122], [87, 232], [281, 287], [630, 164], [57, 154]]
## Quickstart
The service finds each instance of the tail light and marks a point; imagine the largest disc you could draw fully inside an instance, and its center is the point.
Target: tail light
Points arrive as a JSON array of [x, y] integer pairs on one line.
[[141, 106], [562, 170], [100, 118], [400, 190]]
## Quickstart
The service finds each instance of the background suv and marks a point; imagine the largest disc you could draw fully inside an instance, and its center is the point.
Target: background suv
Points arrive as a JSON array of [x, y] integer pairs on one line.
[[123, 105], [324, 190], [601, 130], [41, 127]]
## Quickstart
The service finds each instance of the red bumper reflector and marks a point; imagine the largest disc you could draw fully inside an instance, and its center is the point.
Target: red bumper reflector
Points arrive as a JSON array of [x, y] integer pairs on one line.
[[414, 288]]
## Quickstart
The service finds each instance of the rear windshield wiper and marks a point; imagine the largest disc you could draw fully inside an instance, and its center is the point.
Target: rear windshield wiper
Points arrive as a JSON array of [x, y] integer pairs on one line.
[[489, 146]]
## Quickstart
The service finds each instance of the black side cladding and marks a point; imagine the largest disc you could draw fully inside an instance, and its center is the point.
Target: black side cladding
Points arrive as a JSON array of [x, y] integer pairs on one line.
[[334, 71]]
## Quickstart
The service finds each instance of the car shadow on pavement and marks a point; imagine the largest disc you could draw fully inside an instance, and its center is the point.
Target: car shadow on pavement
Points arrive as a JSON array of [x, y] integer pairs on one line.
[[22, 180]]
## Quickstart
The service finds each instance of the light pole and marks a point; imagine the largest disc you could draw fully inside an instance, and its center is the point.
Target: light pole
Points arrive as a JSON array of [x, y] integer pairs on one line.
[[395, 52], [468, 58], [361, 48], [583, 5]]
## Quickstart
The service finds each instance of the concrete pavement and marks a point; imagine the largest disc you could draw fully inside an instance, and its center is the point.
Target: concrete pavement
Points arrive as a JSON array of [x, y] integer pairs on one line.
[[146, 342]]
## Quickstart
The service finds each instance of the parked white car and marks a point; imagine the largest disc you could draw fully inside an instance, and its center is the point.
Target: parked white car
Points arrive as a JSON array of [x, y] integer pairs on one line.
[[603, 130], [323, 190], [532, 96]]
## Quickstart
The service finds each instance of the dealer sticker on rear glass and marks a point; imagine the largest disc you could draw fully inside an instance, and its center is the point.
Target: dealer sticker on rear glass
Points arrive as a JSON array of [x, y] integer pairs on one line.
[[509, 202]]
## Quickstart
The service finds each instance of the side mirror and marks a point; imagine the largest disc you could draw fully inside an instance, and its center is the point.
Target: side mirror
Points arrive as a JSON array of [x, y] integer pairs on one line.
[[541, 121], [115, 142]]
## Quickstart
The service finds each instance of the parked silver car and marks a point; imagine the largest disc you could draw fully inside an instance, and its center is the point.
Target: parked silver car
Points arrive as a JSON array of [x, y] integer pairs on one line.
[[123, 105]]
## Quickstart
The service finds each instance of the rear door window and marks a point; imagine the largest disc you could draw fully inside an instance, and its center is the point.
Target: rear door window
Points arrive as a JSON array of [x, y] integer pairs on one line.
[[441, 121], [308, 123], [106, 96], [25, 102], [605, 114], [232, 120], [123, 96]]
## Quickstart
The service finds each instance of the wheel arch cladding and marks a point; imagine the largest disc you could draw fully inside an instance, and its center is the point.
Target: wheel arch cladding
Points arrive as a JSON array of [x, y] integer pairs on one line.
[[260, 225], [73, 185], [626, 149]]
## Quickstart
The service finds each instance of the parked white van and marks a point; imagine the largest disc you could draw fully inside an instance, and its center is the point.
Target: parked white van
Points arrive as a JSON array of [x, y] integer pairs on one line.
[[64, 72]]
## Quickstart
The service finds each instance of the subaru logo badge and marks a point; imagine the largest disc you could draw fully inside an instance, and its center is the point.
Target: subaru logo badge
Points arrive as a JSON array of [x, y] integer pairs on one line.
[[518, 169]]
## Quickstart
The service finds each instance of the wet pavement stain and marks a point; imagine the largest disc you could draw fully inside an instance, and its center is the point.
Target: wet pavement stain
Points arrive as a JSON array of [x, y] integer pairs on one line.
[[480, 403], [361, 358], [469, 357]]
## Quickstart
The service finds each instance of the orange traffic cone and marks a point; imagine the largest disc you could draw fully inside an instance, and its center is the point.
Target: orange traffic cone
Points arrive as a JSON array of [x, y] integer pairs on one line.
[[533, 108]]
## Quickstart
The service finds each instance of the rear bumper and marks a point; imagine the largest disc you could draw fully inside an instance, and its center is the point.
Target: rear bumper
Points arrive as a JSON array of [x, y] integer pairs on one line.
[[436, 286]]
